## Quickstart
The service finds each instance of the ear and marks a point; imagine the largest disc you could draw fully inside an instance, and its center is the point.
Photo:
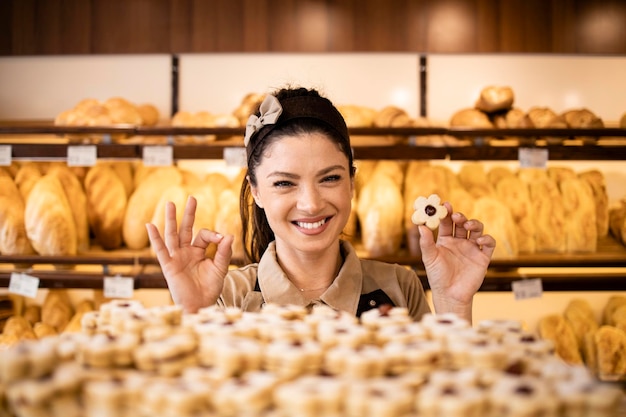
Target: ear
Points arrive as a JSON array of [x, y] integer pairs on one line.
[[255, 194]]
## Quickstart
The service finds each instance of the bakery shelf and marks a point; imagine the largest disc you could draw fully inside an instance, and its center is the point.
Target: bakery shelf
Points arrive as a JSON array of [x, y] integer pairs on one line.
[[87, 270], [48, 142]]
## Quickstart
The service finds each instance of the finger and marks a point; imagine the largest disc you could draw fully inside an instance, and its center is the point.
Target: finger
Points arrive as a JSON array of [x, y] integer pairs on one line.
[[475, 229], [426, 241], [224, 252], [170, 233], [205, 237], [487, 244], [186, 224], [460, 225], [446, 227], [160, 250]]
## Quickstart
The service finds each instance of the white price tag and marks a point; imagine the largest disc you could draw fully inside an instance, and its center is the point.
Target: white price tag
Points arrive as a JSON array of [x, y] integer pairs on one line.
[[5, 155], [23, 284], [158, 155], [235, 157], [82, 156], [118, 287], [533, 157], [527, 288]]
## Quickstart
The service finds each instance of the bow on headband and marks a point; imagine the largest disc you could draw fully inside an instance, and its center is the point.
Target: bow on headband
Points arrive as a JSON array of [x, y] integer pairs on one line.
[[270, 110]]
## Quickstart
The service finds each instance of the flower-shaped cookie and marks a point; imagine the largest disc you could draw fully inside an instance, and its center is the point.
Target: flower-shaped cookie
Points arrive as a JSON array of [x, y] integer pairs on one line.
[[429, 211]]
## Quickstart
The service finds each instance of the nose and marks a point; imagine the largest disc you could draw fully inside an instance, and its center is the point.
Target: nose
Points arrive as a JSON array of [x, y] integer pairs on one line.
[[309, 199]]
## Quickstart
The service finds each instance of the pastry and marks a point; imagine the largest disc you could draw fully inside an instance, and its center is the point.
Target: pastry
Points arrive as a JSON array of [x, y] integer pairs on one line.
[[311, 396], [250, 394], [378, 397], [429, 211]]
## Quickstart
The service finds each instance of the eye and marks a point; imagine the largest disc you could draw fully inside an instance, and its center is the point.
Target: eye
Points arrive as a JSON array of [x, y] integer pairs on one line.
[[282, 184], [331, 178]]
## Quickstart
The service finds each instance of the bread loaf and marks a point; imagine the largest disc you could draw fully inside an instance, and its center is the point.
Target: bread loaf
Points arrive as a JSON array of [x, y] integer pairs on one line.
[[26, 177], [579, 315], [142, 203], [596, 181], [514, 193], [49, 220], [228, 220], [555, 328], [13, 237], [499, 223], [548, 214], [57, 310], [380, 212], [611, 351], [176, 194], [581, 233], [77, 199], [495, 98], [106, 205], [16, 328], [473, 177], [617, 221]]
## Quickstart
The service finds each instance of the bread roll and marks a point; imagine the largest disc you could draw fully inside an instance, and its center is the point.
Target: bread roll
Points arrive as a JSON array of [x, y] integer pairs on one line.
[[13, 237], [249, 105], [517, 118], [581, 233], [495, 98], [149, 114], [582, 118], [596, 180], [614, 302], [106, 205], [542, 117], [142, 203], [49, 220], [470, 118], [357, 116], [78, 202]]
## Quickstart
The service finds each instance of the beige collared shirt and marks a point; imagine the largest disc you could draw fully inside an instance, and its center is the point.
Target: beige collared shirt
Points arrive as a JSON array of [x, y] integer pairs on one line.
[[356, 277]]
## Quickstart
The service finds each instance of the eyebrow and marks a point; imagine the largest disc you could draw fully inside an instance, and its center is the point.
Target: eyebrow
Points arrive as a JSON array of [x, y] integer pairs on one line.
[[290, 175]]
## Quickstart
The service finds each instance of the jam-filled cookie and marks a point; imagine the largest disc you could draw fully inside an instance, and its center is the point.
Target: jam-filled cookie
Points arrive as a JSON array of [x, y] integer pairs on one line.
[[428, 211]]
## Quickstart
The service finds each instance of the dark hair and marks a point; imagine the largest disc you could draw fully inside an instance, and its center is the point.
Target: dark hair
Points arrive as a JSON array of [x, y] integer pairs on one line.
[[304, 111]]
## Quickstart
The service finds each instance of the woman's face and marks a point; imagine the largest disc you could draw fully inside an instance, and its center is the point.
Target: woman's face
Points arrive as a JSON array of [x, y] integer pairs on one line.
[[304, 186]]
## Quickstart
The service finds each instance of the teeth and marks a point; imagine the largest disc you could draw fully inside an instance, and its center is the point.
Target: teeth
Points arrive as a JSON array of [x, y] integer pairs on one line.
[[311, 225]]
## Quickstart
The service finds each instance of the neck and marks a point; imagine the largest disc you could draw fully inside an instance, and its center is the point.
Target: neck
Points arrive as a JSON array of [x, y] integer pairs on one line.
[[312, 274]]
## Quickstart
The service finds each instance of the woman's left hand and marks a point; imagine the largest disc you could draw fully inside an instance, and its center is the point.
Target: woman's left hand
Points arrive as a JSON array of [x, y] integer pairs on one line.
[[457, 262]]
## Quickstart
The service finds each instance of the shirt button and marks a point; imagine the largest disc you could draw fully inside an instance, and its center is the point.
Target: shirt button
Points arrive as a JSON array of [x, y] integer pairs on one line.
[[372, 303]]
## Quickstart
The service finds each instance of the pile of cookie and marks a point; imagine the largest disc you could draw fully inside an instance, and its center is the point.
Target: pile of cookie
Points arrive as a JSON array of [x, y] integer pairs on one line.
[[290, 361]]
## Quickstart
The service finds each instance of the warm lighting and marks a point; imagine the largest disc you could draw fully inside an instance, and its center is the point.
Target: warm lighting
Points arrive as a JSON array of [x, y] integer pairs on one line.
[[601, 27], [450, 26]]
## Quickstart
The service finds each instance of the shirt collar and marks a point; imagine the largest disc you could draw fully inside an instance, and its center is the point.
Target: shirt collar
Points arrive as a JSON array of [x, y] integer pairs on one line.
[[343, 294]]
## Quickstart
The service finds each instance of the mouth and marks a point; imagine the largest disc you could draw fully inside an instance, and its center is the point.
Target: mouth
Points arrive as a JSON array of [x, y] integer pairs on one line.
[[312, 225]]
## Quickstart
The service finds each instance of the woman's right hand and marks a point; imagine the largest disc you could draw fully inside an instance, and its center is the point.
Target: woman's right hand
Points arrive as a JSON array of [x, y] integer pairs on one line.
[[194, 280]]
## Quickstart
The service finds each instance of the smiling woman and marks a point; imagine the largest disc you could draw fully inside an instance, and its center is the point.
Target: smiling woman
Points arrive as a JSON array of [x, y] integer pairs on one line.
[[295, 203]]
